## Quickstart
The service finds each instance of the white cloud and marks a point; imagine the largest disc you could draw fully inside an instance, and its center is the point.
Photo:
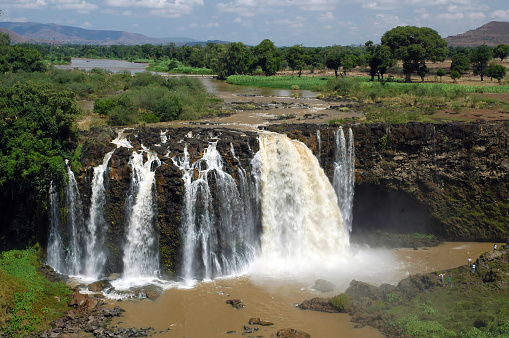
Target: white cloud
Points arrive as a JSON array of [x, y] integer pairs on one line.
[[328, 16], [160, 8], [476, 16], [238, 20], [86, 24], [24, 4], [500, 14], [213, 24], [80, 6]]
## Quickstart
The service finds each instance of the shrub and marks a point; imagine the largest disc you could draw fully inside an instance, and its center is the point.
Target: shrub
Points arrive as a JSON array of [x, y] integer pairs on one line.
[[341, 302], [103, 106]]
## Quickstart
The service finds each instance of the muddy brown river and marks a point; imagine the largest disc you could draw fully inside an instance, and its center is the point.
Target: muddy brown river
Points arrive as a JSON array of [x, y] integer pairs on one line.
[[201, 311]]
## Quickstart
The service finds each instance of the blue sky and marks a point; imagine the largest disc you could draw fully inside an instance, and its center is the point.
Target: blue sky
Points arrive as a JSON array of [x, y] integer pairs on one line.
[[285, 22]]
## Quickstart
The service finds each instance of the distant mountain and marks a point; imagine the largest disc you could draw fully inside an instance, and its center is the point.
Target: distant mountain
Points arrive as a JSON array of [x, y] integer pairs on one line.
[[56, 34], [491, 34]]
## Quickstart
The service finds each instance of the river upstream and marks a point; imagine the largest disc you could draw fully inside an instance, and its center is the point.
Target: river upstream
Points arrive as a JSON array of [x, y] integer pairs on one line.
[[270, 290]]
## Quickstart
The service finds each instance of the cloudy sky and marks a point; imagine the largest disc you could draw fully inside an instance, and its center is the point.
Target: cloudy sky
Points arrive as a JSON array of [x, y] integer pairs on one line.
[[285, 22]]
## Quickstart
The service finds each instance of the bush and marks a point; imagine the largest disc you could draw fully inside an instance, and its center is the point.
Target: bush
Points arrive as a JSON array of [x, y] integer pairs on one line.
[[168, 108], [103, 106], [341, 302]]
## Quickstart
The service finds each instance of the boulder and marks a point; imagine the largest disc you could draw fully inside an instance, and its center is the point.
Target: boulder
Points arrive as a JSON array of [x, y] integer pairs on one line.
[[323, 286], [292, 333]]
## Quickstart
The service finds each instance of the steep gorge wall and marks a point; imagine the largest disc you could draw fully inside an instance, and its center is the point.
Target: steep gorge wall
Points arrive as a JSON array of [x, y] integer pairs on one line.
[[450, 179]]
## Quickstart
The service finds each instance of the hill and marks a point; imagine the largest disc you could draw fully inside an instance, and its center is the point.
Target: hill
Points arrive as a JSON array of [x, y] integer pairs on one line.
[[491, 34], [57, 34]]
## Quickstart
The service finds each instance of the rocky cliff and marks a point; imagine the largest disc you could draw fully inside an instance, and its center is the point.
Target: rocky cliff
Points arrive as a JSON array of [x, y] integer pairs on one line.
[[450, 180]]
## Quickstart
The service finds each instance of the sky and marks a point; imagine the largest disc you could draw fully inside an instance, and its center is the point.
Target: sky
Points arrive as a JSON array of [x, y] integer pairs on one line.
[[311, 23]]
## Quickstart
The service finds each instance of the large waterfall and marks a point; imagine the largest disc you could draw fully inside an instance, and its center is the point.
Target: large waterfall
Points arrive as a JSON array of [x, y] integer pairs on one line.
[[300, 215], [277, 210]]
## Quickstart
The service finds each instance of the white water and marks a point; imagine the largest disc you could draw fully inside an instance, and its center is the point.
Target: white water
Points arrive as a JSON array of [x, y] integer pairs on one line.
[[344, 176], [55, 257], [217, 230], [302, 224], [141, 251], [95, 255], [75, 226]]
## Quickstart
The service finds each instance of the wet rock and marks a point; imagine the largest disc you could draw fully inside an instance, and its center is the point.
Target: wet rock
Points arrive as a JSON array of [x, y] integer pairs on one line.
[[236, 303], [99, 286], [318, 304], [292, 333], [323, 286], [258, 321]]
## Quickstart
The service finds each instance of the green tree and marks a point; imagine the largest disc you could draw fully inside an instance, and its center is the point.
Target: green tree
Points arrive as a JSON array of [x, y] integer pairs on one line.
[[496, 71], [36, 121], [379, 59], [28, 60], [334, 58], [238, 59], [295, 58], [268, 57], [501, 51], [460, 62], [414, 46], [480, 58], [455, 75], [440, 73]]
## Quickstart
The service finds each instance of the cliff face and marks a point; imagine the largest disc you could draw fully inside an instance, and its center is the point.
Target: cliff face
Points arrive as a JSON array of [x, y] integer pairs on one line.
[[450, 180], [169, 185]]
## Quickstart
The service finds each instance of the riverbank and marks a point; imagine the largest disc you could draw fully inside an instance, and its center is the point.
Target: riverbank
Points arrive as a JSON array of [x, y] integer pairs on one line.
[[466, 301]]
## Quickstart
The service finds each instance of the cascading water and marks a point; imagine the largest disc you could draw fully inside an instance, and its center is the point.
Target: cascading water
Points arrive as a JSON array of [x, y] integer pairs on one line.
[[141, 250], [75, 227], [217, 241], [55, 257], [95, 256], [301, 220], [344, 176]]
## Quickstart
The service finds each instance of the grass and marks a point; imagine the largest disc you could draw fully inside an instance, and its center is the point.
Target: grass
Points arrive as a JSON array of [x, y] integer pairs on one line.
[[28, 301], [281, 82]]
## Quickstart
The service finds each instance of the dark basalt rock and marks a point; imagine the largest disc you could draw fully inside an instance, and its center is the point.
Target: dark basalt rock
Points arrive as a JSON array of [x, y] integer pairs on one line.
[[236, 303], [292, 333]]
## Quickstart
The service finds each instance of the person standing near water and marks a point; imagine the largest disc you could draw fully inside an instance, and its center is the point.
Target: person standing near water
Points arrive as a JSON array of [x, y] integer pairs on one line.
[[495, 247], [469, 261], [473, 268]]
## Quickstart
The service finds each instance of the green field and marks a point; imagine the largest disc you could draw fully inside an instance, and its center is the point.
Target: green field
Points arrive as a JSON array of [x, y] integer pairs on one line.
[[281, 82]]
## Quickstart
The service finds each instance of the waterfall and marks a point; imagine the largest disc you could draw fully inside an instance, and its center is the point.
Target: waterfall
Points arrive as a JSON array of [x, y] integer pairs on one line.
[[319, 144], [141, 250], [344, 176], [300, 215], [95, 256], [55, 253], [218, 225], [75, 226]]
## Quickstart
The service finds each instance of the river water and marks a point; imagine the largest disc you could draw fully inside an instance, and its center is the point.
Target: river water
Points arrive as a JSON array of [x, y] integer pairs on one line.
[[201, 310]]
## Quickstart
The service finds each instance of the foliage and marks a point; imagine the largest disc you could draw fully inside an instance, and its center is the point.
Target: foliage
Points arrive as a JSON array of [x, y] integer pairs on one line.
[[496, 71], [379, 59], [413, 327], [414, 45], [501, 51], [36, 121], [341, 302], [28, 302], [480, 58], [460, 63], [267, 57], [153, 99], [283, 82], [440, 73], [455, 75]]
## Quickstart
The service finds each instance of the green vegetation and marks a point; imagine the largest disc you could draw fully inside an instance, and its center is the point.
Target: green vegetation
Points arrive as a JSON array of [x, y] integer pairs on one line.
[[465, 304], [283, 82], [28, 301], [341, 302], [152, 99]]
